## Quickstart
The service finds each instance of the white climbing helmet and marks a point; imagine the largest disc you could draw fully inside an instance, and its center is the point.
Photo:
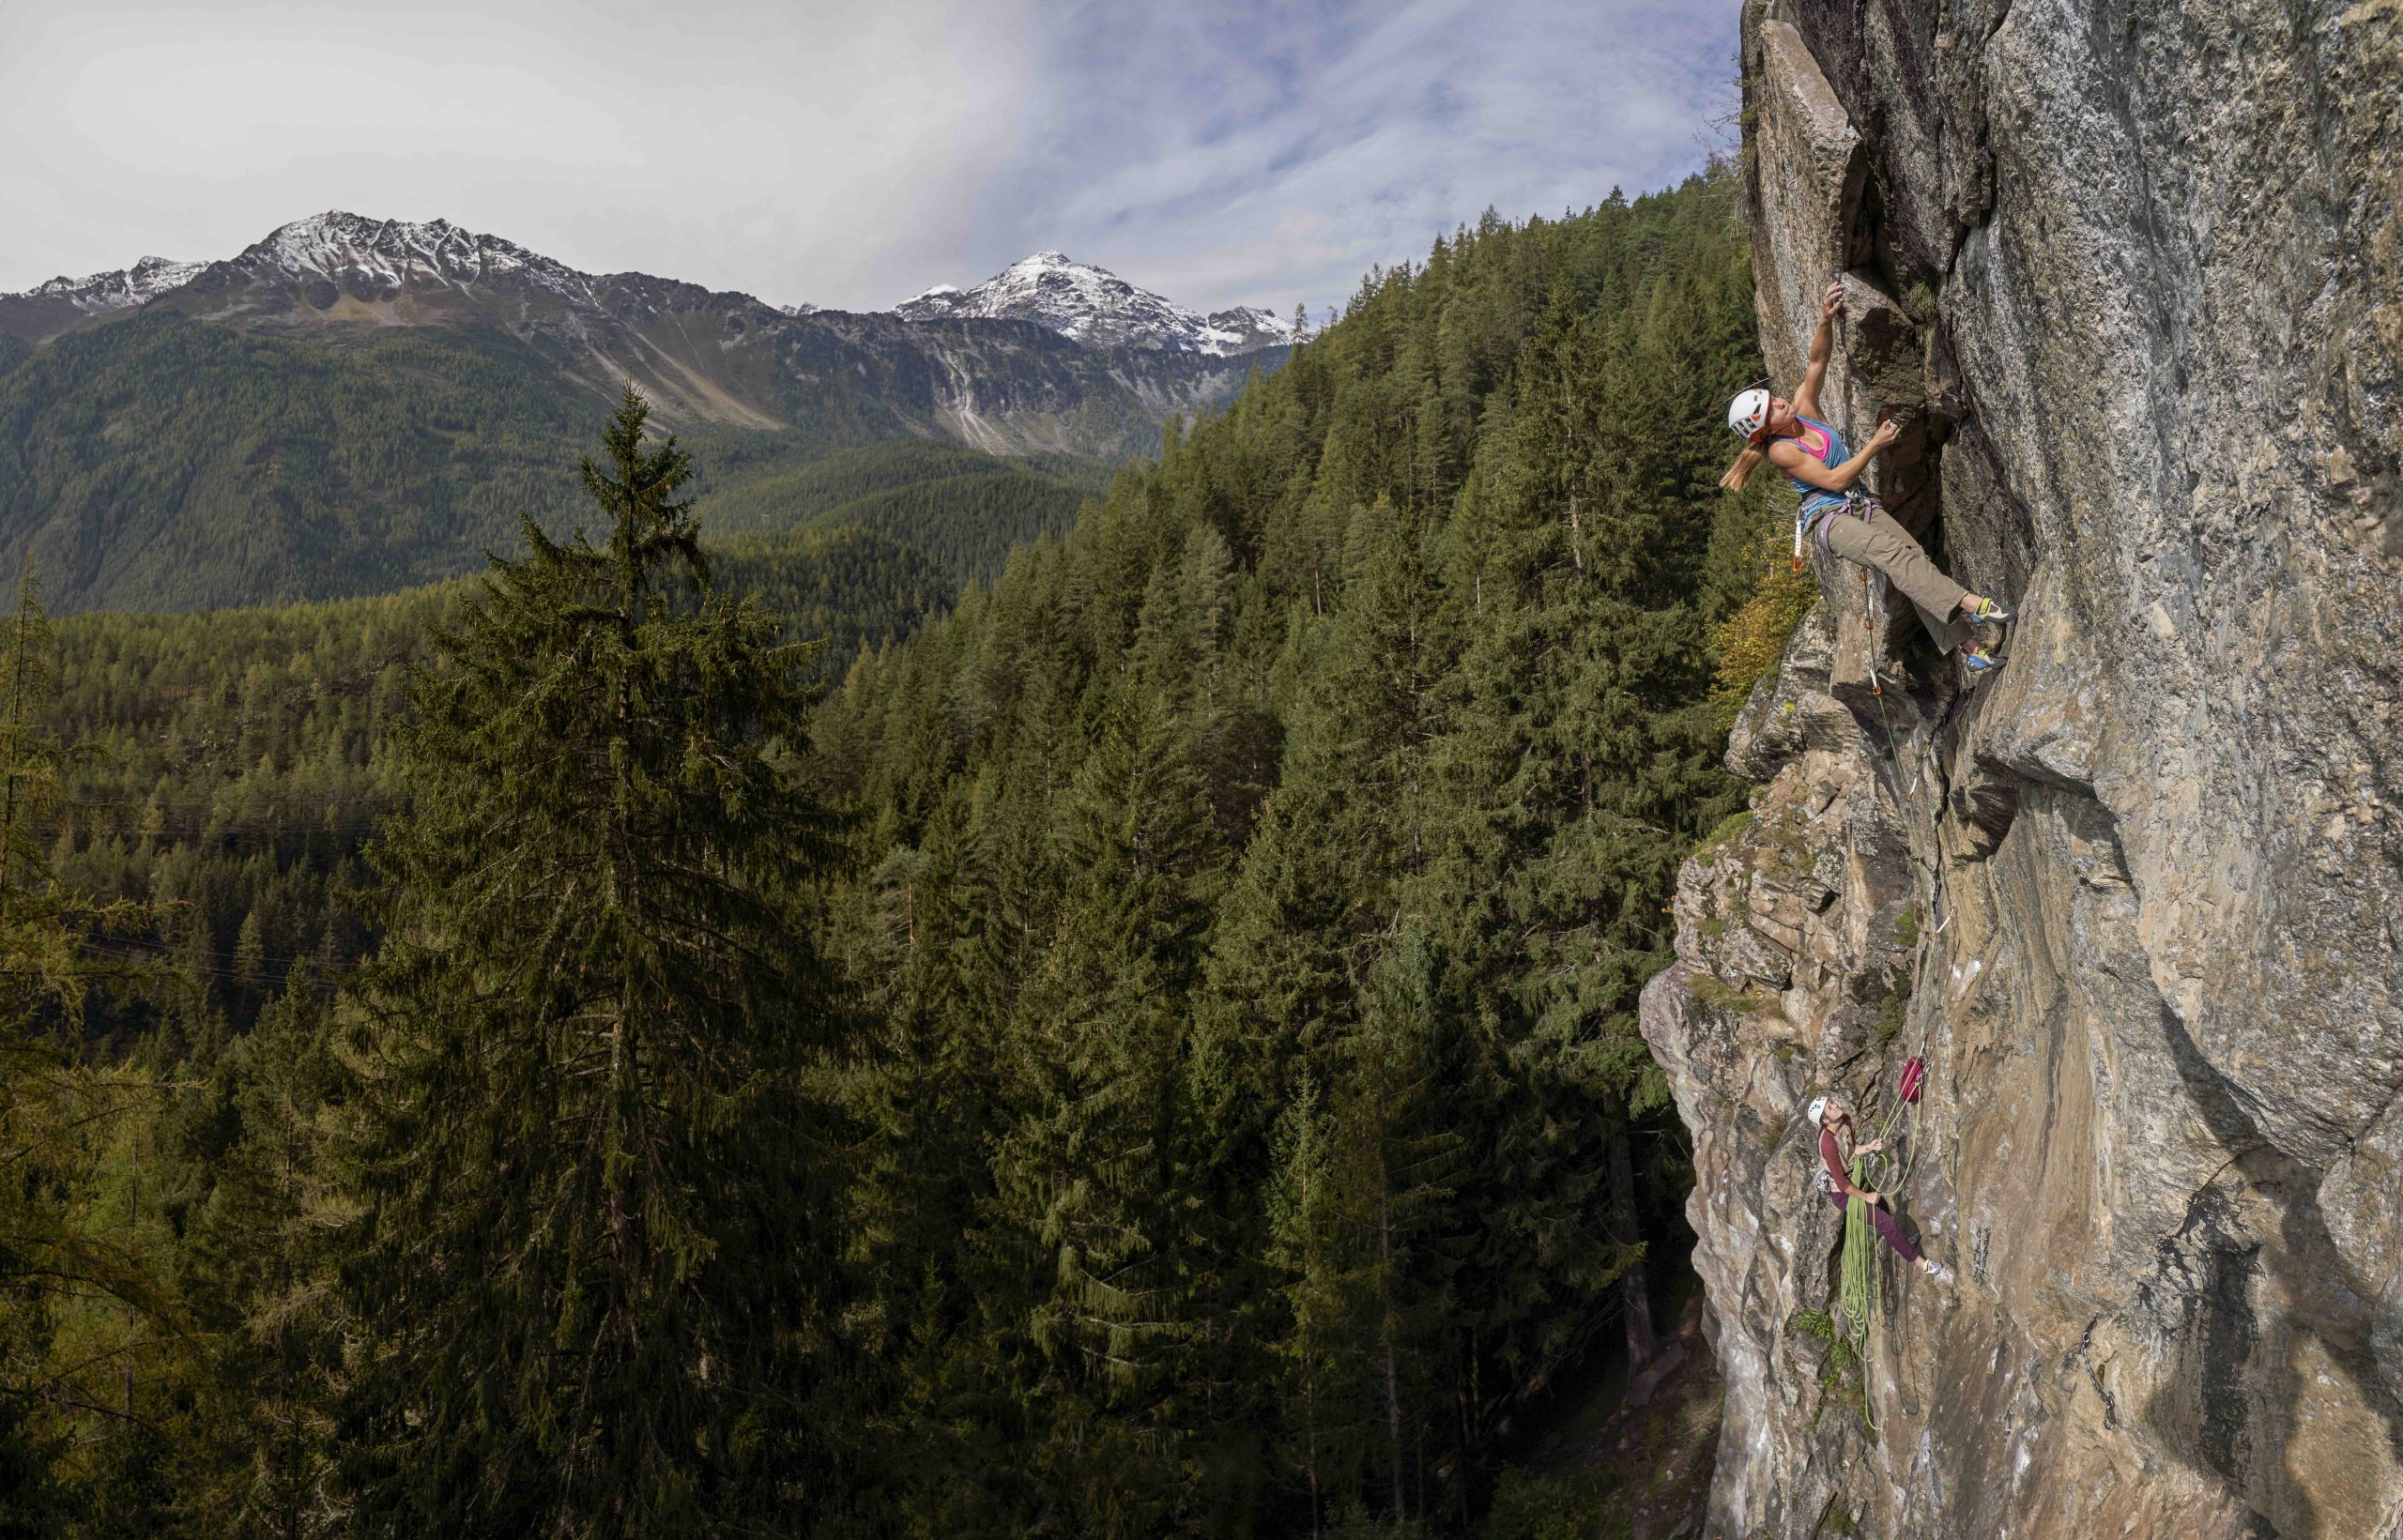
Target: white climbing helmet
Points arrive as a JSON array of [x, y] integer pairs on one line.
[[1819, 1109], [1748, 413]]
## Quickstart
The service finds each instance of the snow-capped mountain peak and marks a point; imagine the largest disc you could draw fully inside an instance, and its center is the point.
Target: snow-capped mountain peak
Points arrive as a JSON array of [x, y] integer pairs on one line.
[[123, 289], [330, 254], [1094, 305], [341, 266], [388, 254]]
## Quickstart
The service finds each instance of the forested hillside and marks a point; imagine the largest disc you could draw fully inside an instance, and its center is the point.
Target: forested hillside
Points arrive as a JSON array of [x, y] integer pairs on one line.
[[166, 463], [1153, 1054], [1256, 888], [232, 764], [962, 507], [160, 462]]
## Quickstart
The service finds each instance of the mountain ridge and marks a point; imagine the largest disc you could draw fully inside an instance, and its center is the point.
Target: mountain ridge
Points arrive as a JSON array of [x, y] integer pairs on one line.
[[352, 402], [324, 258], [1093, 304], [1008, 383]]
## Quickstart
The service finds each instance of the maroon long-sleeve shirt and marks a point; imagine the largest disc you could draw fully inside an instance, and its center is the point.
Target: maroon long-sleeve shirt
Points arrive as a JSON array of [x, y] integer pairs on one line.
[[1833, 1155]]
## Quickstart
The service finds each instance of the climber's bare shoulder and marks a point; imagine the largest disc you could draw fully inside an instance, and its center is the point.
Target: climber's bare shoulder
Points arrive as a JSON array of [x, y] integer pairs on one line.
[[1797, 461]]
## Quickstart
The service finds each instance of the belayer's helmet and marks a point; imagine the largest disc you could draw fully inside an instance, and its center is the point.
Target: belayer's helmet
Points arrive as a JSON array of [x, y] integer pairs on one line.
[[1819, 1109], [1748, 414]]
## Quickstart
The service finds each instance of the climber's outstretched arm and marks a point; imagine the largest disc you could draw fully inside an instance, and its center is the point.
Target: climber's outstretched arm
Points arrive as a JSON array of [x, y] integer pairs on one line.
[[1823, 342]]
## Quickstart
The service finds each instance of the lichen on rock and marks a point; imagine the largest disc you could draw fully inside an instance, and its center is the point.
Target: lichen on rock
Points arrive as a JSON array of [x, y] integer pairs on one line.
[[2130, 276]]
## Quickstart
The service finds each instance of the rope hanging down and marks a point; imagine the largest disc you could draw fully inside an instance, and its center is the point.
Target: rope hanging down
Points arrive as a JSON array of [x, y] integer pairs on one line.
[[1924, 873], [1887, 1169]]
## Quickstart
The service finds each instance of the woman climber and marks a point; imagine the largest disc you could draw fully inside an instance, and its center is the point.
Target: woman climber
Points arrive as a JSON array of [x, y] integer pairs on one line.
[[1830, 1116], [1813, 458]]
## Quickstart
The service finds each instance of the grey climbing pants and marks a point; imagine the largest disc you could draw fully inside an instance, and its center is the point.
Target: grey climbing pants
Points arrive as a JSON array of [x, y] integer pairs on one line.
[[1878, 542], [1888, 1225]]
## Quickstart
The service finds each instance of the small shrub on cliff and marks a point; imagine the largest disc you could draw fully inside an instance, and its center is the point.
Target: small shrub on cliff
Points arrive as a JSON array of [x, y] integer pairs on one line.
[[1729, 827], [1748, 643], [1840, 1385], [1892, 1013], [1721, 994], [1889, 991]]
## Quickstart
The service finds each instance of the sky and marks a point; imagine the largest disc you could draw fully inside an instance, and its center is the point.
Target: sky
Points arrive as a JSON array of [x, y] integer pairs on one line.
[[851, 155]]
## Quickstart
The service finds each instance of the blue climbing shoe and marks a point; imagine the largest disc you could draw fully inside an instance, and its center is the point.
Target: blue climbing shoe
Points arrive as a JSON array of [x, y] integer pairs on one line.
[[1978, 661], [1988, 613]]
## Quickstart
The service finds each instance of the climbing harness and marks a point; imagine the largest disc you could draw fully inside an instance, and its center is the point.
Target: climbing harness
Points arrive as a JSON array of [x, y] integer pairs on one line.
[[1810, 517]]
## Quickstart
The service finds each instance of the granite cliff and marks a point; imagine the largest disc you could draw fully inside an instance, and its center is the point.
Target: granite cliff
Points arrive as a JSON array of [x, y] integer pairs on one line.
[[2132, 272]]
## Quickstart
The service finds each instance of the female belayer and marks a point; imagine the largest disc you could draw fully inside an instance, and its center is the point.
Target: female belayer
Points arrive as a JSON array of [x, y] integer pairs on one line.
[[1836, 1151], [1848, 521]]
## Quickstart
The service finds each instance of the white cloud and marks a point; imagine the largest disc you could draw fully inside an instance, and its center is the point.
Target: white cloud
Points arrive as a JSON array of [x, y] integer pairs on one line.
[[1251, 151], [789, 151], [1268, 152]]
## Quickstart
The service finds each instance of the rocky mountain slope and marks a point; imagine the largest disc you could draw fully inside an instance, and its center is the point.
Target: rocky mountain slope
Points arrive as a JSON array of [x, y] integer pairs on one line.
[[2134, 274], [1096, 306], [1100, 368], [44, 310], [353, 404]]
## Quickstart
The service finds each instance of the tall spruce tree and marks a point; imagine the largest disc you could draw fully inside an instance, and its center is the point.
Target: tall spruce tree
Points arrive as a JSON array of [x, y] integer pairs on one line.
[[593, 1266], [1090, 1172]]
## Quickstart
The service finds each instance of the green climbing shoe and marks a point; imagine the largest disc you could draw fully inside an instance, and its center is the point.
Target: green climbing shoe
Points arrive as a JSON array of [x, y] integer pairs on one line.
[[1988, 613], [1977, 659]]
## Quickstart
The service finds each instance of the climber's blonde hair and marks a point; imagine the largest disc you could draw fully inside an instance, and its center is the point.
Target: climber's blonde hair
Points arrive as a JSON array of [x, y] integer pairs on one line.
[[1746, 462]]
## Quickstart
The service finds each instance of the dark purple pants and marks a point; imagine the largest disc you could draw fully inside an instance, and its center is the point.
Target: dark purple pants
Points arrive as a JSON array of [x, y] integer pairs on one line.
[[1888, 1225]]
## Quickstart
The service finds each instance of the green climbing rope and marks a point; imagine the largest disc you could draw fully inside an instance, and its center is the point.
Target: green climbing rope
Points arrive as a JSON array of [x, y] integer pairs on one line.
[[1857, 1291]]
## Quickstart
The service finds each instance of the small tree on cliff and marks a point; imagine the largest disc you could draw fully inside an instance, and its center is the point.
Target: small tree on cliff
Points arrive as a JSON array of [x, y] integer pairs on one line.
[[591, 1244]]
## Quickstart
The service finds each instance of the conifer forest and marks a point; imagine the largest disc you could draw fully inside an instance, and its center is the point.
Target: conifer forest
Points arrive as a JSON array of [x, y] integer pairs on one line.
[[913, 994]]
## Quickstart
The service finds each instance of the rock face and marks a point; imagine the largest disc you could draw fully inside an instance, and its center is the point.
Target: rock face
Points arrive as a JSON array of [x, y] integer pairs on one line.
[[2131, 273]]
